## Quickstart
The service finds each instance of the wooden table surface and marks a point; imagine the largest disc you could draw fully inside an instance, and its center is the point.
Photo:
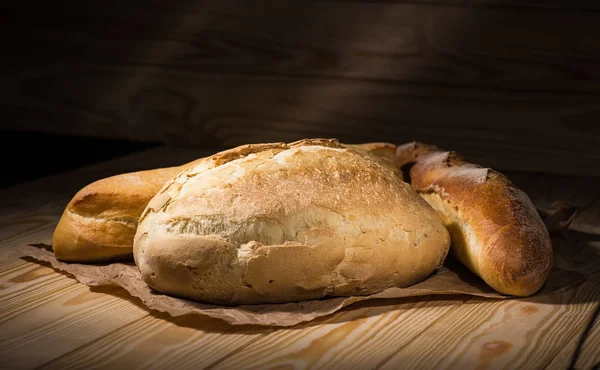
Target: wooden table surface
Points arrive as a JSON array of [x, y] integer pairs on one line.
[[49, 320]]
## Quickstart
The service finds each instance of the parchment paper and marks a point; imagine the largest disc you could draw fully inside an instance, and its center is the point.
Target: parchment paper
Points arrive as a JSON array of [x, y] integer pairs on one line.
[[574, 263]]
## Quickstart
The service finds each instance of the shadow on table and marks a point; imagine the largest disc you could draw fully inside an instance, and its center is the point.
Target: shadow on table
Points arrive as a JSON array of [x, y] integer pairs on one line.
[[575, 263], [579, 293]]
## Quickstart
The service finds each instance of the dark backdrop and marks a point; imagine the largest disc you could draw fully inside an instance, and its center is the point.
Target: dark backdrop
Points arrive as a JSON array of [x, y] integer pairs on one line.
[[510, 84]]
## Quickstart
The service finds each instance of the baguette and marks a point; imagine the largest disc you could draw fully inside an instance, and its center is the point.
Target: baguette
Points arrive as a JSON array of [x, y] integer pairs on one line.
[[99, 223], [276, 223], [496, 231]]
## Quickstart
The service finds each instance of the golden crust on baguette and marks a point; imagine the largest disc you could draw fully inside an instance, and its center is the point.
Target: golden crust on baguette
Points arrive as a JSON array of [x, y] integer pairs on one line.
[[99, 222], [496, 231]]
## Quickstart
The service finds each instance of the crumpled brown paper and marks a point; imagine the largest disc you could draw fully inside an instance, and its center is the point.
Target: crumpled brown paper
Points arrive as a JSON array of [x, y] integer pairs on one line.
[[573, 265]]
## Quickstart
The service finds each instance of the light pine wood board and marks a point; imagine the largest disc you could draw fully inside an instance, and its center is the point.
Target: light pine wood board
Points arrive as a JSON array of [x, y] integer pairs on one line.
[[35, 300], [514, 334], [159, 341], [43, 312], [57, 316], [338, 335], [76, 326], [365, 336], [590, 351], [362, 337], [589, 343]]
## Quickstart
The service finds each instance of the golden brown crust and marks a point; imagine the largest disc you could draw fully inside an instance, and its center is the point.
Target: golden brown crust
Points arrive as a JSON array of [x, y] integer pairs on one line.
[[99, 222], [87, 239], [286, 222], [383, 153], [381, 149], [496, 231]]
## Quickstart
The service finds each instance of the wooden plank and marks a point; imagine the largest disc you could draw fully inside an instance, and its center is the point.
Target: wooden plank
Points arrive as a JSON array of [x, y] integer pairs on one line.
[[160, 341], [62, 320], [30, 289], [523, 333], [590, 351], [26, 221], [232, 72], [358, 337], [22, 276], [36, 227], [41, 234], [33, 300], [331, 341], [588, 343], [36, 303]]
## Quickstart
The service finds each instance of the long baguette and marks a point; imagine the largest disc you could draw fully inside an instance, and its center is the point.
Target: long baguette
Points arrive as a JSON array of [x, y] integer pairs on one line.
[[100, 221], [495, 229]]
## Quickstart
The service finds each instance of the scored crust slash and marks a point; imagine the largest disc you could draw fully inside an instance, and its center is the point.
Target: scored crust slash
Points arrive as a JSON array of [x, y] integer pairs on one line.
[[283, 222]]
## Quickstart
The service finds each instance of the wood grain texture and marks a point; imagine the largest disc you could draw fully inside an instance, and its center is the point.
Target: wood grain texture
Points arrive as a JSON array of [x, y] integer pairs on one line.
[[35, 302], [514, 334], [29, 290], [359, 338], [589, 355], [161, 342], [494, 80], [589, 344], [18, 225], [42, 233]]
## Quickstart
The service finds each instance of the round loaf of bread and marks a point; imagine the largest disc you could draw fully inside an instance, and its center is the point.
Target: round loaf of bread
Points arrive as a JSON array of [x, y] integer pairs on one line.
[[275, 223]]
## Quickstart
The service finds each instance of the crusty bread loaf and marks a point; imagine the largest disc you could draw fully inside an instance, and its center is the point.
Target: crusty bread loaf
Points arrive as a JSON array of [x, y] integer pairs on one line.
[[383, 153], [496, 231], [99, 222], [280, 222]]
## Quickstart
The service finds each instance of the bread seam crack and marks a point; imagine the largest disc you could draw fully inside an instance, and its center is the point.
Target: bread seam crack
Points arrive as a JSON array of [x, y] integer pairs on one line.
[[125, 220]]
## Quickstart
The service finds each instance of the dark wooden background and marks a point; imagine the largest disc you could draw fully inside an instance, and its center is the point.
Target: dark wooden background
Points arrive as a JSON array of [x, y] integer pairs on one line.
[[510, 84]]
